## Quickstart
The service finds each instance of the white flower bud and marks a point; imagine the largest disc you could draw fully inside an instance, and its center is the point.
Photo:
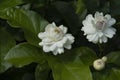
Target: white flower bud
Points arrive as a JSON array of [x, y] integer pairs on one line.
[[104, 58], [99, 64]]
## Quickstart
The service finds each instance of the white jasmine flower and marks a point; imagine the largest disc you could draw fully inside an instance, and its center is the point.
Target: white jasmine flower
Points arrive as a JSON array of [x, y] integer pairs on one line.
[[55, 39], [99, 64], [99, 27]]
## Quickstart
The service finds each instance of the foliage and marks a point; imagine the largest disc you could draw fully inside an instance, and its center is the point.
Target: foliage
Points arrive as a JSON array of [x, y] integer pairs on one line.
[[21, 58]]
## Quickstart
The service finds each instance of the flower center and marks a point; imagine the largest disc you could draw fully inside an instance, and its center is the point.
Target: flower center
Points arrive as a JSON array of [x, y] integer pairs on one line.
[[55, 34], [100, 25], [57, 30]]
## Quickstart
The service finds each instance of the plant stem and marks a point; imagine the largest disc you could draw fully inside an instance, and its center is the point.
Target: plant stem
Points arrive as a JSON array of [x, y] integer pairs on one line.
[[100, 49]]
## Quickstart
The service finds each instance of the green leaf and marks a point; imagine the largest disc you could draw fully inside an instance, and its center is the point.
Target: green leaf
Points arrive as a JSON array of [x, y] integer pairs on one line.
[[71, 65], [80, 6], [114, 7], [107, 74], [9, 3], [24, 54], [42, 72], [92, 5], [114, 58], [6, 43], [87, 55], [67, 13], [28, 20]]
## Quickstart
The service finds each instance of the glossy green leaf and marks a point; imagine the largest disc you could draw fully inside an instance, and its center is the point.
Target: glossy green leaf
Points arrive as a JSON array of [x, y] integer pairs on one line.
[[107, 74], [28, 20], [87, 55], [24, 54], [67, 13], [71, 65], [114, 58], [80, 6], [6, 43], [42, 72], [9, 3]]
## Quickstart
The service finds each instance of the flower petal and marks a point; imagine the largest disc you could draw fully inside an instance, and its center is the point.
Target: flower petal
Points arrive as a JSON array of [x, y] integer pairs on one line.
[[42, 35], [111, 22], [88, 26], [104, 39], [109, 32], [93, 38], [46, 48], [60, 50], [64, 29]]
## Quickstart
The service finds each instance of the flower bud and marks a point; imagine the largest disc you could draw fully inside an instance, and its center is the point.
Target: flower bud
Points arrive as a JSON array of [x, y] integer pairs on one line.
[[99, 64], [104, 58]]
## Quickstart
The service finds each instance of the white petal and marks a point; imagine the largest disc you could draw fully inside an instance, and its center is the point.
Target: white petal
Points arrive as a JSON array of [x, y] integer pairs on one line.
[[42, 35], [98, 16], [55, 52], [111, 22], [64, 29], [108, 16], [104, 39], [53, 47], [100, 40], [53, 23], [49, 27], [61, 42], [109, 32], [88, 26], [100, 34], [68, 46], [60, 50], [93, 38], [48, 40], [46, 48], [88, 30], [70, 38], [89, 18], [41, 43]]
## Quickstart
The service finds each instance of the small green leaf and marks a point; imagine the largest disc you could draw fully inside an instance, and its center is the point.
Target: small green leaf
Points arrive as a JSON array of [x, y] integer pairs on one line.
[[42, 72], [70, 66], [6, 43], [9, 3], [24, 54], [28, 20], [114, 58], [80, 6]]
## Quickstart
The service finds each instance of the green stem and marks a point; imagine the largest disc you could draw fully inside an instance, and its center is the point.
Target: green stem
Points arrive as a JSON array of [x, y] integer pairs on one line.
[[100, 49]]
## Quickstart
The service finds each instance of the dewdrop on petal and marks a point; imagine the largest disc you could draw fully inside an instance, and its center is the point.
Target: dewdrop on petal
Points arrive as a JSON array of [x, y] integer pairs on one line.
[[55, 39]]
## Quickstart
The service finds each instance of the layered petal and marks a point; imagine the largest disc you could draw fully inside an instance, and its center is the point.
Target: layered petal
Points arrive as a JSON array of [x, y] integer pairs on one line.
[[98, 28], [55, 39]]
